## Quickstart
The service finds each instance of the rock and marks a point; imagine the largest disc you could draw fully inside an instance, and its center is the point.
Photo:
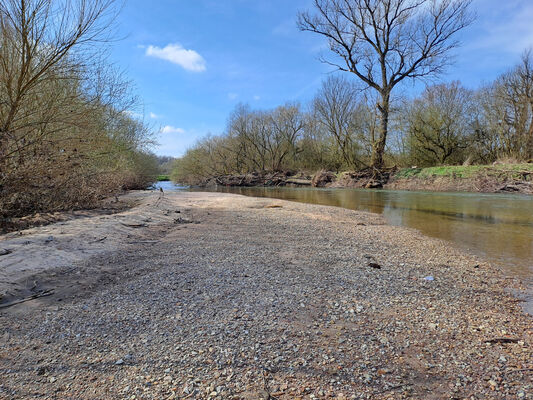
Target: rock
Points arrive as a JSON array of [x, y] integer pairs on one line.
[[429, 278], [374, 265], [119, 362], [52, 380]]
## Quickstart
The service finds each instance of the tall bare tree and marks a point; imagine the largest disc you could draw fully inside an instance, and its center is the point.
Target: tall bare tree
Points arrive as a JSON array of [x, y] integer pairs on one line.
[[338, 110], [384, 42]]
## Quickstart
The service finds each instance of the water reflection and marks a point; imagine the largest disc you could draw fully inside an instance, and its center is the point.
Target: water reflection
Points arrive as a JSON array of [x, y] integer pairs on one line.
[[499, 227]]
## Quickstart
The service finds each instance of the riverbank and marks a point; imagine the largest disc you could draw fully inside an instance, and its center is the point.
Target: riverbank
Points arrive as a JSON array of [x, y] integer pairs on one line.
[[503, 178], [208, 295]]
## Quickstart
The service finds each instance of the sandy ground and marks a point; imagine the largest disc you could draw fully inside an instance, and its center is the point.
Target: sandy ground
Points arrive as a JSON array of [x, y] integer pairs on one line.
[[207, 295]]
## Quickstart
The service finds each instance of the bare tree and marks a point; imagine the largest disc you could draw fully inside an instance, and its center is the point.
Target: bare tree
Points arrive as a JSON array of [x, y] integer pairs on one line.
[[337, 108], [39, 40], [439, 124], [286, 128], [384, 42], [514, 94]]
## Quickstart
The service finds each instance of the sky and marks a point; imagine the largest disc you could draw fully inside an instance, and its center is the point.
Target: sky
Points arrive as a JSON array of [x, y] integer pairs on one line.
[[192, 61]]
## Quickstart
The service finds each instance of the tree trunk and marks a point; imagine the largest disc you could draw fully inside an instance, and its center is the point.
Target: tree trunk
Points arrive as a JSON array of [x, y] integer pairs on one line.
[[378, 146]]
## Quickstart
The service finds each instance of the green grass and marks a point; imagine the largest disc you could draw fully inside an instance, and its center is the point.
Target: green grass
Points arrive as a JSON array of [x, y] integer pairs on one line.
[[460, 171], [163, 178]]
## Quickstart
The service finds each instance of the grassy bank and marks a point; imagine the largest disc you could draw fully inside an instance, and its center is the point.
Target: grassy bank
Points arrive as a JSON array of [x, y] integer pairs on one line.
[[473, 178]]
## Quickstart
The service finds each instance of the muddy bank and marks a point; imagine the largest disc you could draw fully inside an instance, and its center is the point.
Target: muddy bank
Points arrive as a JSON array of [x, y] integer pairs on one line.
[[245, 298], [107, 206], [468, 179], [43, 258], [476, 184]]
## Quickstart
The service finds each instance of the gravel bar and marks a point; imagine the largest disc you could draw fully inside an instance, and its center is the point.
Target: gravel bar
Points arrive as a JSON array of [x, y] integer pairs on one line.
[[246, 298]]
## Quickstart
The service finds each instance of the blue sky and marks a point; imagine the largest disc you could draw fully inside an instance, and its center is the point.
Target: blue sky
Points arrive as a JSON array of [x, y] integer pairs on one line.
[[192, 61]]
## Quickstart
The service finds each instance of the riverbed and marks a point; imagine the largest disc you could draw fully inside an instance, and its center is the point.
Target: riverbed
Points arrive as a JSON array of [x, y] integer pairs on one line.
[[188, 294], [496, 227]]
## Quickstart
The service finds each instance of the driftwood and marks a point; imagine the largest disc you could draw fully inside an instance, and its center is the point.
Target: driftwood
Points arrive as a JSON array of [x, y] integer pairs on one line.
[[502, 340], [33, 297], [5, 252], [134, 225], [303, 182]]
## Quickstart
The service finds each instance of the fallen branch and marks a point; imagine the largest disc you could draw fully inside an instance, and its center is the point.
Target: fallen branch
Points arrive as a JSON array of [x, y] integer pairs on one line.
[[502, 340], [5, 252], [134, 225], [33, 297]]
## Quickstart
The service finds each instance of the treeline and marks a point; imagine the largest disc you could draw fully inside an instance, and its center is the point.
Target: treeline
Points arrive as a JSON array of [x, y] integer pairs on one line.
[[67, 134], [447, 124]]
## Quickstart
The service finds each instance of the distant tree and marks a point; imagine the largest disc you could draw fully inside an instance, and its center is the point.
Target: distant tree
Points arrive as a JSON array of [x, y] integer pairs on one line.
[[439, 124], [384, 42], [286, 128], [339, 111], [504, 128]]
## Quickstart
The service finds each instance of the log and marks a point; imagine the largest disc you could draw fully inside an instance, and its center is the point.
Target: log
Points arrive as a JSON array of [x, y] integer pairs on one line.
[[302, 182]]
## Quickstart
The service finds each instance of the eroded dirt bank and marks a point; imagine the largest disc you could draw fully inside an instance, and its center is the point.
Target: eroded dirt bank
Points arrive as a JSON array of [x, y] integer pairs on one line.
[[208, 295]]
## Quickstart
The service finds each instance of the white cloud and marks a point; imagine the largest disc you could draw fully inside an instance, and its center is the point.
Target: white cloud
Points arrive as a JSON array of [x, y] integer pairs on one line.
[[232, 96], [256, 97], [504, 26], [168, 129], [154, 116], [176, 54]]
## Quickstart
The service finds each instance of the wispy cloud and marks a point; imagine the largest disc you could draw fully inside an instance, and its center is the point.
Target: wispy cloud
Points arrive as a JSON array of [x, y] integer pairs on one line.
[[169, 129], [154, 116], [189, 60], [257, 98], [505, 26], [233, 96]]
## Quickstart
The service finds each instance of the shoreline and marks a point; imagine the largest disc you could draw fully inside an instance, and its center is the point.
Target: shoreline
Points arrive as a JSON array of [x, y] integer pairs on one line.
[[495, 179], [281, 271]]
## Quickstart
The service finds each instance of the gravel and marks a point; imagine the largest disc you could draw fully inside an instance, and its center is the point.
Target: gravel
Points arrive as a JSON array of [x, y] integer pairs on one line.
[[258, 298]]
